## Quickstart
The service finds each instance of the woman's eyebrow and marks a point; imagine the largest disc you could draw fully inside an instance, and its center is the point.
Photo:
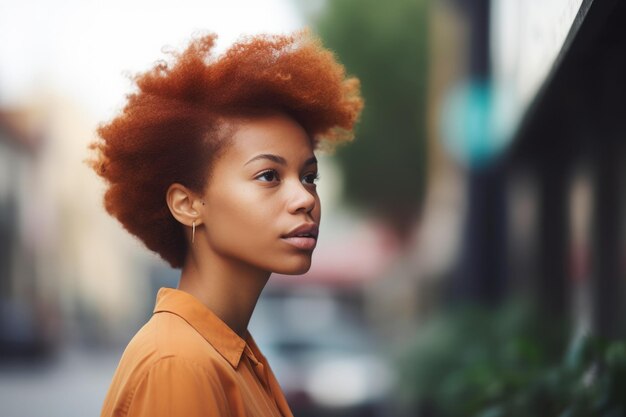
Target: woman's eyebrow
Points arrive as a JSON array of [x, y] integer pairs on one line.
[[280, 160], [312, 160], [274, 158]]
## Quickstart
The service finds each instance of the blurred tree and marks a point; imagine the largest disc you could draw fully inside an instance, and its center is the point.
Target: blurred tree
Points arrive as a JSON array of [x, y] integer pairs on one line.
[[384, 44]]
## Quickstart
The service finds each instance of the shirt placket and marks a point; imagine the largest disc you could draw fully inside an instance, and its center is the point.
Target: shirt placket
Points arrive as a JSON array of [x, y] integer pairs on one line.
[[261, 373], [259, 370]]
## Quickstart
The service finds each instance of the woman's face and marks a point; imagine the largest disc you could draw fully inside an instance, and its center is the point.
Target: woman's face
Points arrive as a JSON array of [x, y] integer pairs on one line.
[[261, 194]]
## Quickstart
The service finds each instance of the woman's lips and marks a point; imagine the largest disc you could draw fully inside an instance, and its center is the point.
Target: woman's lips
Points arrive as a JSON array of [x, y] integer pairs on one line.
[[303, 237], [301, 242]]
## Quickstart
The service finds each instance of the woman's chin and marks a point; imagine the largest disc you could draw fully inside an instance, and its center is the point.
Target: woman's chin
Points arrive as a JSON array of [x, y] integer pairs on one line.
[[299, 269]]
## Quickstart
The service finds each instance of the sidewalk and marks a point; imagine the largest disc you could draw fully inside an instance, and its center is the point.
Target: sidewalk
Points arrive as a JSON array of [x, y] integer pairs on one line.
[[73, 384]]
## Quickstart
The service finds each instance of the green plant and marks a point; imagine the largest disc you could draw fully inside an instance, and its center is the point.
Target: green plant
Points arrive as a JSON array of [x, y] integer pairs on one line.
[[510, 362]]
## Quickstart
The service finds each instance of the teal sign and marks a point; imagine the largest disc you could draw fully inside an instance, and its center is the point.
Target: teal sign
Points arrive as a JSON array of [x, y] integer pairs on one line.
[[477, 122]]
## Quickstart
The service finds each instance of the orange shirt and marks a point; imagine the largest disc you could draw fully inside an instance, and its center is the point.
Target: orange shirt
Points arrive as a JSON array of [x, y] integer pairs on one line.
[[185, 361]]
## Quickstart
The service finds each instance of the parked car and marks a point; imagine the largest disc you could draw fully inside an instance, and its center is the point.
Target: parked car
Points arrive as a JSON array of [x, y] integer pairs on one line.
[[324, 359]]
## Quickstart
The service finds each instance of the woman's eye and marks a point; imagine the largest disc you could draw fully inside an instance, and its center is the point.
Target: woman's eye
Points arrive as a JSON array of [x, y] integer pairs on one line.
[[268, 176], [311, 178]]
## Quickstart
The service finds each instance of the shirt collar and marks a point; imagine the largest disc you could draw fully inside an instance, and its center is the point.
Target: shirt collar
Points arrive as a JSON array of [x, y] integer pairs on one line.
[[204, 321]]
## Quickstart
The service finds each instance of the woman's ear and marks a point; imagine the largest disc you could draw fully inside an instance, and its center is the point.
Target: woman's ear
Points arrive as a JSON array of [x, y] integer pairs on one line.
[[184, 204]]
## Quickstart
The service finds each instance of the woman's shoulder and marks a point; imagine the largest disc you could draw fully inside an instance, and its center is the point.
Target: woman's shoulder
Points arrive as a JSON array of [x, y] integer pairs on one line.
[[167, 335], [165, 353]]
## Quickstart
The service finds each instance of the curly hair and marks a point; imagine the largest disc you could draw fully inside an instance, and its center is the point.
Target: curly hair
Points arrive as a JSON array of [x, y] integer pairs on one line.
[[172, 127]]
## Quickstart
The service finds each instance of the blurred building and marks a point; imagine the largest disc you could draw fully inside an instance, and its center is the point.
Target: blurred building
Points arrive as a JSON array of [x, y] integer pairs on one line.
[[69, 274], [527, 165], [28, 313], [570, 151]]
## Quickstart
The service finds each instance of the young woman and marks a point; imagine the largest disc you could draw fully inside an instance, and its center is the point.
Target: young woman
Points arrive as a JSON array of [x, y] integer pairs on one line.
[[211, 164]]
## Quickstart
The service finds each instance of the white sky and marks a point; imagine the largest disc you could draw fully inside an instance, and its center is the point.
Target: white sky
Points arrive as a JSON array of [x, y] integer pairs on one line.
[[82, 49]]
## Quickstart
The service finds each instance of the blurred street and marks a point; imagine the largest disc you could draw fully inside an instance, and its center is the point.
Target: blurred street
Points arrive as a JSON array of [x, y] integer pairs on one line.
[[72, 384]]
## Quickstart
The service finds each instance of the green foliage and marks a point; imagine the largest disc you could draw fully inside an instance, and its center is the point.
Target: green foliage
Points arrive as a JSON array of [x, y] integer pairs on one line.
[[511, 363], [384, 45]]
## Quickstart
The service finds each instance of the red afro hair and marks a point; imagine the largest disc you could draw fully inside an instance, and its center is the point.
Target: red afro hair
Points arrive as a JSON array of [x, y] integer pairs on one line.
[[170, 129]]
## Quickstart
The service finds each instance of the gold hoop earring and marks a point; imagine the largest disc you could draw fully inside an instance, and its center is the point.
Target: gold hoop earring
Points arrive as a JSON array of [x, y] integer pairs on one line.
[[193, 231]]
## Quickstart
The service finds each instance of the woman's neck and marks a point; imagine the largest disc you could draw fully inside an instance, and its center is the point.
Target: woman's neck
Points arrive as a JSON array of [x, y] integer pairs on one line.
[[229, 288]]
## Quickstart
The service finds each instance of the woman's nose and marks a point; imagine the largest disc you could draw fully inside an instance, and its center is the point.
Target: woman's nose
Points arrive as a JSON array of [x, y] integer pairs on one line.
[[301, 198]]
